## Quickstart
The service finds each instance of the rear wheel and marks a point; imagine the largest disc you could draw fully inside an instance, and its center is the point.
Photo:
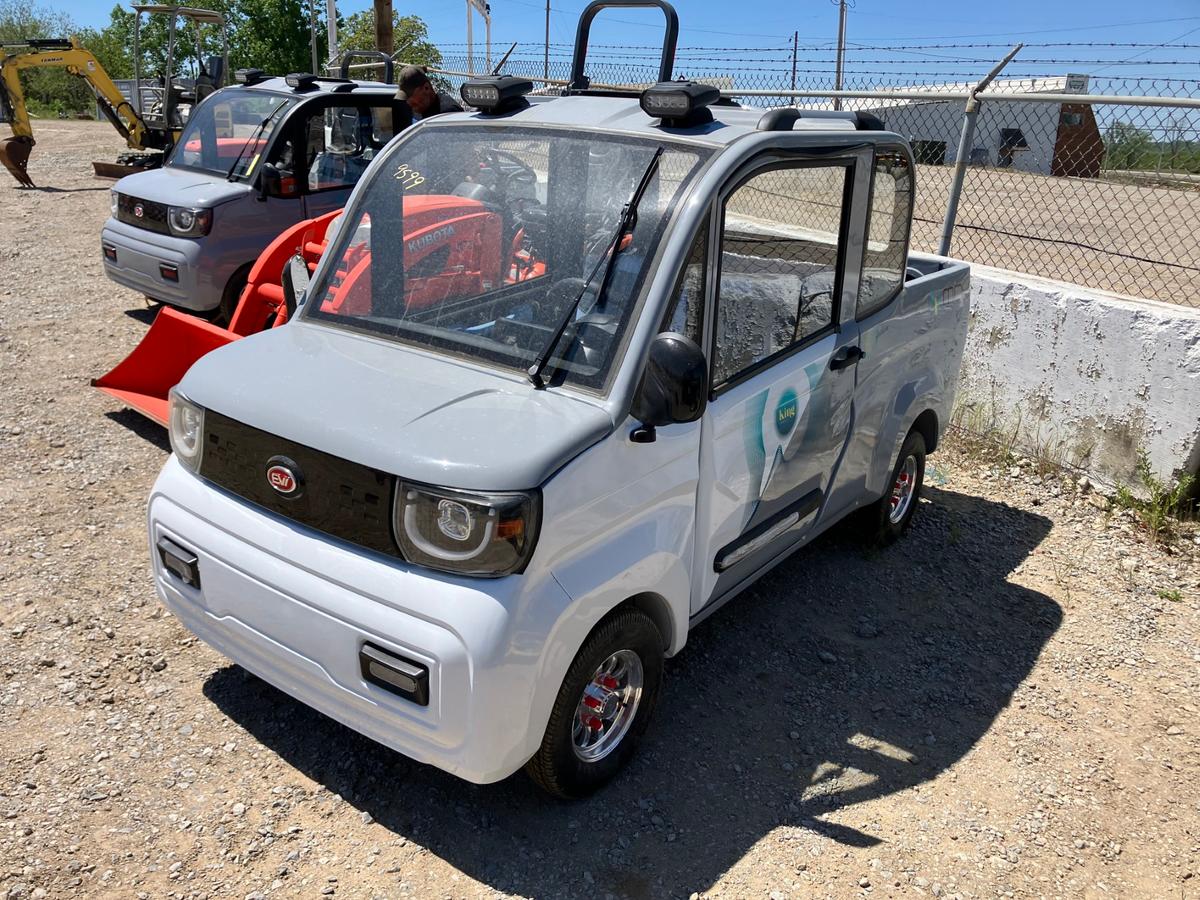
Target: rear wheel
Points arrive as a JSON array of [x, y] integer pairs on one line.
[[892, 513], [603, 707]]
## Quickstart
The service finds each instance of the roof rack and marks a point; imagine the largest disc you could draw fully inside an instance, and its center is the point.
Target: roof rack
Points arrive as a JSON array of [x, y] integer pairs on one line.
[[785, 118], [580, 82]]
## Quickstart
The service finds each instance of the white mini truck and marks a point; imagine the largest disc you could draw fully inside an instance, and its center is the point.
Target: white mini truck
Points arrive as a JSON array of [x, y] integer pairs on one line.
[[467, 506]]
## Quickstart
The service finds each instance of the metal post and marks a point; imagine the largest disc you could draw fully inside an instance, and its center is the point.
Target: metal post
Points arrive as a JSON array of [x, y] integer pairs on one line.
[[312, 35], [470, 41], [487, 21], [964, 151], [795, 50], [137, 63], [331, 27], [841, 52], [546, 54]]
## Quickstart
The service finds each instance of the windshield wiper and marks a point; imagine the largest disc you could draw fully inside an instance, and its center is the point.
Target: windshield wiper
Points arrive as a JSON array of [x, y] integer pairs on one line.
[[625, 225], [253, 139]]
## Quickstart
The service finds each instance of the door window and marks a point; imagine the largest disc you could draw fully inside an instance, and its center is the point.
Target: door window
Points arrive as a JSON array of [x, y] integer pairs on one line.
[[780, 246], [887, 232], [342, 141]]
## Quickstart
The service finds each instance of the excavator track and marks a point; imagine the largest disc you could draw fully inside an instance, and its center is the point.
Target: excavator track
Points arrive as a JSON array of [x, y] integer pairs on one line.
[[14, 153]]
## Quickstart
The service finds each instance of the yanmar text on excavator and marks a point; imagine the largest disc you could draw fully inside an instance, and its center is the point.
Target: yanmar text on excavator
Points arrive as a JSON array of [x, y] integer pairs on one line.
[[570, 374]]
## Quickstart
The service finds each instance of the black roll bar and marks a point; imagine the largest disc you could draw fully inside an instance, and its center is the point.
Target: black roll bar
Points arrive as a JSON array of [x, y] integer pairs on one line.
[[379, 55], [580, 81]]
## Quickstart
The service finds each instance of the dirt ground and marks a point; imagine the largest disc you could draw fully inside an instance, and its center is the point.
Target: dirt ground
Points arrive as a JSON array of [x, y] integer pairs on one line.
[[1005, 704]]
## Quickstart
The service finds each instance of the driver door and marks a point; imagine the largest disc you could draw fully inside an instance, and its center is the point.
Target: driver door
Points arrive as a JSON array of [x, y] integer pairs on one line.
[[782, 366], [339, 142]]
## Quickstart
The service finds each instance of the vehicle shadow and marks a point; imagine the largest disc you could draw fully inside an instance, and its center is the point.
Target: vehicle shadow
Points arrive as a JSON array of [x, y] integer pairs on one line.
[[841, 677], [144, 314], [142, 427]]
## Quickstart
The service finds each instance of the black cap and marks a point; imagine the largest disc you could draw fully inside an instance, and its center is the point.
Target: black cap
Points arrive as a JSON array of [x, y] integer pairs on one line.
[[410, 78]]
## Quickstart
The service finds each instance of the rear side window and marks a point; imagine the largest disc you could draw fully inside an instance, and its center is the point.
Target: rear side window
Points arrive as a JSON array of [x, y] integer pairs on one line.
[[887, 231], [780, 246], [341, 142]]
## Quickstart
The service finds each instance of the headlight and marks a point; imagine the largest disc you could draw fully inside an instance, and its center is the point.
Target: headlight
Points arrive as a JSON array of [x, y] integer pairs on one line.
[[114, 201], [187, 221], [464, 532], [186, 430]]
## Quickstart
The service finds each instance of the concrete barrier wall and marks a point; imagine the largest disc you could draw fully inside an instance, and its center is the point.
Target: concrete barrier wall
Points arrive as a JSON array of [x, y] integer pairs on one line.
[[1085, 378]]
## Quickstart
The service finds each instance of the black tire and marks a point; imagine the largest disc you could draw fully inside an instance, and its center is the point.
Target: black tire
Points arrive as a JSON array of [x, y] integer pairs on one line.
[[223, 314], [557, 768], [884, 528]]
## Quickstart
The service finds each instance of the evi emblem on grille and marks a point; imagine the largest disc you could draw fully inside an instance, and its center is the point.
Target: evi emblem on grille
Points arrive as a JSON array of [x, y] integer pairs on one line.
[[285, 476]]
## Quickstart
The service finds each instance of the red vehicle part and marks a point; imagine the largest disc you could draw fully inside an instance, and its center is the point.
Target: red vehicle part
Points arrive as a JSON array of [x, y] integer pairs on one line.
[[451, 250]]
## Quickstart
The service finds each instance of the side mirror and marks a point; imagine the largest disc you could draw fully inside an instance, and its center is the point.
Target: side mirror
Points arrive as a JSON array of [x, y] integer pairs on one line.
[[295, 283], [270, 182], [674, 386], [273, 183]]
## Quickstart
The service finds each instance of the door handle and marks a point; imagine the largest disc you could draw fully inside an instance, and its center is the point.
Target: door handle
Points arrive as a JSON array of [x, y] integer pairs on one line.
[[846, 357]]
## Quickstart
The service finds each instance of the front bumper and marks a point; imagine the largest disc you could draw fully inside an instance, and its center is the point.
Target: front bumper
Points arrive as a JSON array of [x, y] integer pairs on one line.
[[140, 254], [296, 608]]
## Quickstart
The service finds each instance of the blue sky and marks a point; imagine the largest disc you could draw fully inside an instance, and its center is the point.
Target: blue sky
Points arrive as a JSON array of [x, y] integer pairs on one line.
[[762, 23]]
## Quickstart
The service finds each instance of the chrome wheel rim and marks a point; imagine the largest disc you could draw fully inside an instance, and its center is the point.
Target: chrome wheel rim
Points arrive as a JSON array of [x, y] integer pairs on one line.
[[607, 706], [902, 491]]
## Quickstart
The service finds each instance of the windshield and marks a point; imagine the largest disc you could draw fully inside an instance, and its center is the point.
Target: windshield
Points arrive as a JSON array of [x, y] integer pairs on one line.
[[477, 241], [226, 134]]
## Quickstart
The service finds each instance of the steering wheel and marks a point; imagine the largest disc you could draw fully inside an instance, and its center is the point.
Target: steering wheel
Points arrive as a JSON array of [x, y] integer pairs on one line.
[[524, 173]]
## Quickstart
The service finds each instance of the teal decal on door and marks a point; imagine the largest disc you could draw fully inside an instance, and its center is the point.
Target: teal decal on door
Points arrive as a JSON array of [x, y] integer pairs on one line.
[[785, 413]]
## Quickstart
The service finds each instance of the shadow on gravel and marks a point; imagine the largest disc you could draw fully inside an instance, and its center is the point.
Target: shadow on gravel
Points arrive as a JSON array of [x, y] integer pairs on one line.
[[144, 314], [54, 190], [142, 427], [841, 677]]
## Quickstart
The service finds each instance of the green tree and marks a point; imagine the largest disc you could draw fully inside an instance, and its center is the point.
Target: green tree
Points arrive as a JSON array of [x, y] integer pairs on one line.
[[273, 35], [1127, 147], [47, 91], [410, 36]]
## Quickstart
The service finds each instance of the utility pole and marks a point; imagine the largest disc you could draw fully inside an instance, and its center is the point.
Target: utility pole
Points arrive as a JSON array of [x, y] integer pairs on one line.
[[331, 27], [384, 40], [312, 35], [841, 52], [546, 55]]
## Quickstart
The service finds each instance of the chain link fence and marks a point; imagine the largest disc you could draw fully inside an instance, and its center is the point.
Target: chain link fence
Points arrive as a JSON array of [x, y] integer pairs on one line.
[[1100, 194]]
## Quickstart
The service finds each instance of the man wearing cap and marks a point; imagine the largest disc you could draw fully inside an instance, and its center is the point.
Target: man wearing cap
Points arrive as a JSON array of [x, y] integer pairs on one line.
[[415, 88]]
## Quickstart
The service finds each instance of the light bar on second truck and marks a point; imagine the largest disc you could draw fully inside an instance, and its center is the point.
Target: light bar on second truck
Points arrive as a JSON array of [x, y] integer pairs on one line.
[[496, 93], [680, 102]]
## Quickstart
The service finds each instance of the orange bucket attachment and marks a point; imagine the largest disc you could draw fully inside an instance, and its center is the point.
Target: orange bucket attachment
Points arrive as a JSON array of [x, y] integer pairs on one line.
[[14, 153], [144, 378]]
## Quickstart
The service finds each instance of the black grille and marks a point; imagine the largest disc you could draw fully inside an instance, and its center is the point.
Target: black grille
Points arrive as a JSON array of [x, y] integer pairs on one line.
[[341, 498], [153, 217]]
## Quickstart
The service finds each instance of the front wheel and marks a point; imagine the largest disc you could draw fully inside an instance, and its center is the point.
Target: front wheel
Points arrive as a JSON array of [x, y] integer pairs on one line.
[[603, 707], [892, 514]]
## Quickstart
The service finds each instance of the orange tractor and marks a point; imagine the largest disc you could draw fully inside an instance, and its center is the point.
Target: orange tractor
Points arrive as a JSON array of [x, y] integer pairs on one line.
[[451, 251]]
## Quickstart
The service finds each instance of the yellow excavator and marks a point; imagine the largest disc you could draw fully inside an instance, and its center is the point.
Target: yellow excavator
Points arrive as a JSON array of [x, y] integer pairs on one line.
[[155, 129]]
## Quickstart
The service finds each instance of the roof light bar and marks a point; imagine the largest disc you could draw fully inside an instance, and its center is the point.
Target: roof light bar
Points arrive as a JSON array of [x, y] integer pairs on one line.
[[301, 81], [493, 94], [249, 76], [680, 102]]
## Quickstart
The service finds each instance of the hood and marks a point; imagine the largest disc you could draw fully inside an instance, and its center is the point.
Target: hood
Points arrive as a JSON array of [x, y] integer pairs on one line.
[[181, 187], [416, 415]]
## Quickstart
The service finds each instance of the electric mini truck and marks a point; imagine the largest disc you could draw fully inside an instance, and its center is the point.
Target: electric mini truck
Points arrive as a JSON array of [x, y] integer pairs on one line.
[[253, 160], [472, 528]]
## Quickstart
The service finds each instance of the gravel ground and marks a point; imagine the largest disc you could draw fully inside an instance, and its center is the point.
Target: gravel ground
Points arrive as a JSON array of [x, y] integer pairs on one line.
[[1006, 703]]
